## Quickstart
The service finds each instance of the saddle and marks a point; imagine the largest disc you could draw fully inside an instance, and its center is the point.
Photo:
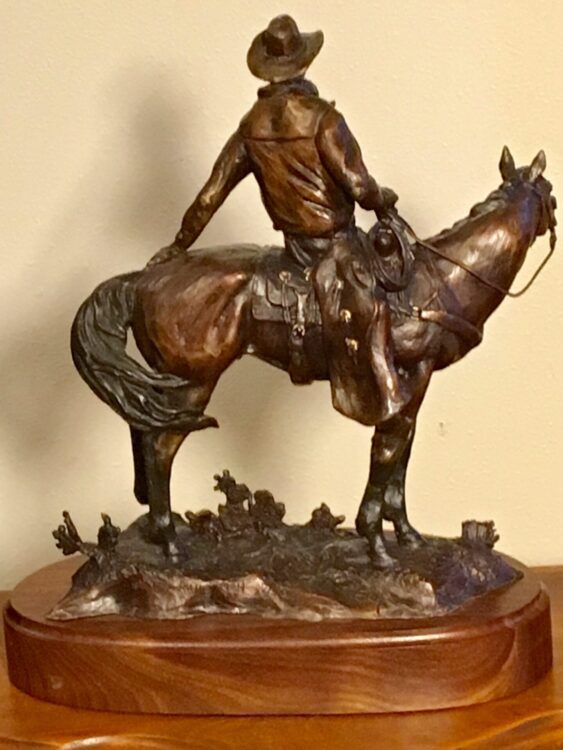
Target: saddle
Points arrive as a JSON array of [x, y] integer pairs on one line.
[[282, 292]]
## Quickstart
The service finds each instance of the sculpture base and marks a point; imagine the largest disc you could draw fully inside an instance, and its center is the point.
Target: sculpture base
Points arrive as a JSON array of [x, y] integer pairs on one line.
[[311, 572], [491, 647]]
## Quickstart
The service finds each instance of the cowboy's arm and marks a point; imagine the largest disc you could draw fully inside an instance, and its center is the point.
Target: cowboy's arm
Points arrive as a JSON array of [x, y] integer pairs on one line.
[[230, 168], [342, 157]]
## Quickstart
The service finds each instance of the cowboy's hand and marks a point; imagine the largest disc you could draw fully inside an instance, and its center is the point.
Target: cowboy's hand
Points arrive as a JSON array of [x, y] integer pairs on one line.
[[166, 253], [389, 197], [387, 201]]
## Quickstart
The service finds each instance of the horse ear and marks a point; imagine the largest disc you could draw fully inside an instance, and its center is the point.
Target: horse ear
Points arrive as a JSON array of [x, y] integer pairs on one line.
[[507, 166], [538, 166]]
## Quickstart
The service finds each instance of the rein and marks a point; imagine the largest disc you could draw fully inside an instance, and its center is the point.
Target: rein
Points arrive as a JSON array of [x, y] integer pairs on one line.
[[475, 274]]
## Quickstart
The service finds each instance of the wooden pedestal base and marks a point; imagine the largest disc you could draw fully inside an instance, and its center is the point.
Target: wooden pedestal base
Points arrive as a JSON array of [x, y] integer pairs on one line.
[[494, 647]]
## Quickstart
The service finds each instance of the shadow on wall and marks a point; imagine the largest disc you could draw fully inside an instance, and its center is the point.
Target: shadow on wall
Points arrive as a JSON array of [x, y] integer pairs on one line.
[[151, 191], [144, 184], [44, 393]]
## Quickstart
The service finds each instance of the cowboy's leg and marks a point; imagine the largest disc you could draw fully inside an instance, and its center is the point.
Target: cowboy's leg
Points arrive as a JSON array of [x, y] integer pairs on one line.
[[346, 302], [328, 288], [372, 319], [304, 252], [317, 256], [382, 360]]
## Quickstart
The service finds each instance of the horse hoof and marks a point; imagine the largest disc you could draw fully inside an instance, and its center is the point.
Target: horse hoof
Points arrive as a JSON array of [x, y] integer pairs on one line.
[[172, 552], [165, 538], [384, 562], [411, 539]]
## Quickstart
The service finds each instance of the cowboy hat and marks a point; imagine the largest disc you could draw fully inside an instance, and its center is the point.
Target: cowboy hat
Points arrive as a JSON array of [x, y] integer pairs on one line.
[[282, 51]]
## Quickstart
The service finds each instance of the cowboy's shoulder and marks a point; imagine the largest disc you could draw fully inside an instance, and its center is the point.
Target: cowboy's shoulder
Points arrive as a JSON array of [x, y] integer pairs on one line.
[[289, 116], [248, 120], [332, 117], [323, 106]]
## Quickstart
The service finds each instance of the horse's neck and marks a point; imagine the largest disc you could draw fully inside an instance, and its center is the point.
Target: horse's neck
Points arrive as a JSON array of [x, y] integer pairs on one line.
[[492, 242]]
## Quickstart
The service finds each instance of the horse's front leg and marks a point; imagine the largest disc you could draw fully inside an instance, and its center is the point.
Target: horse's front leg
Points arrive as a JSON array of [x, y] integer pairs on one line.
[[394, 506], [387, 448]]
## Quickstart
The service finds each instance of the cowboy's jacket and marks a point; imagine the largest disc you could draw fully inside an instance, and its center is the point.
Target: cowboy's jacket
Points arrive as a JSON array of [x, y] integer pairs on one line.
[[305, 159]]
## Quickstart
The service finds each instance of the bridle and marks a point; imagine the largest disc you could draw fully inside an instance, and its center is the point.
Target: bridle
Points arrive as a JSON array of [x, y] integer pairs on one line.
[[551, 222]]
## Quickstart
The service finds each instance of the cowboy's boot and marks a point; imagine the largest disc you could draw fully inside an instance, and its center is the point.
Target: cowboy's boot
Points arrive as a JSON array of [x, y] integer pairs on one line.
[[383, 366]]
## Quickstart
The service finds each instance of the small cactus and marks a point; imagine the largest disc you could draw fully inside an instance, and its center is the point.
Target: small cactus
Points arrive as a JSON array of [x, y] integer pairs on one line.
[[67, 536], [108, 534], [236, 494], [322, 518], [266, 512], [69, 541], [479, 533], [205, 523]]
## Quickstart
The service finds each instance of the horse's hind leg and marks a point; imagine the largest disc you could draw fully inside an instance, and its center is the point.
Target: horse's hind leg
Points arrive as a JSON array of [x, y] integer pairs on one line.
[[153, 455]]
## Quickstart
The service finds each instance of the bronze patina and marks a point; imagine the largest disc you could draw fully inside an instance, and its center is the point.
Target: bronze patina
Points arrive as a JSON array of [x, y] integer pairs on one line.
[[374, 313]]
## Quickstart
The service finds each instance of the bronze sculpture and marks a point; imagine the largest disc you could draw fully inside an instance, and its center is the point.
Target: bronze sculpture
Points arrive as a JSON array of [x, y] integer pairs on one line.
[[338, 620], [376, 313]]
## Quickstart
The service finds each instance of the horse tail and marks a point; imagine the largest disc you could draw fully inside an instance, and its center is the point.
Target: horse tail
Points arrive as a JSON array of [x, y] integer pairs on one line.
[[145, 399]]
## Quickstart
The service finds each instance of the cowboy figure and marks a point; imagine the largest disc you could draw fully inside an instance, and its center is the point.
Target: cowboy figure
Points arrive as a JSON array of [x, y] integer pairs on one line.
[[310, 171]]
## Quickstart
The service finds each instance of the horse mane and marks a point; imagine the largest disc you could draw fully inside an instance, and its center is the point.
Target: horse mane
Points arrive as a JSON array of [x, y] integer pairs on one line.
[[426, 264], [495, 200]]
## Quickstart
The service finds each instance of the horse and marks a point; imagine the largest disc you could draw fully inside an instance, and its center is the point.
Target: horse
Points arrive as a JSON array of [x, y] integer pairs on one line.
[[191, 318]]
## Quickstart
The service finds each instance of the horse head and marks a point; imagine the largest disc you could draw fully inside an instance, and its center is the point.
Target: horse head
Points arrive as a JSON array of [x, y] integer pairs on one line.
[[531, 179]]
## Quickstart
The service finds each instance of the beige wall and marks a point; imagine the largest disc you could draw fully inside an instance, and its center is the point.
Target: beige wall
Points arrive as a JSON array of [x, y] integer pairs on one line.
[[112, 114]]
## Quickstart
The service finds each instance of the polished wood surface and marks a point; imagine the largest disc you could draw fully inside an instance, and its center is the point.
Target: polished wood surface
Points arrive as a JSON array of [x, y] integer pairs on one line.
[[532, 720], [241, 665]]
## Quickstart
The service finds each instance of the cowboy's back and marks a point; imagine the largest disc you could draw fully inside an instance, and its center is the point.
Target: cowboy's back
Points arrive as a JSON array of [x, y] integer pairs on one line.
[[305, 160]]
